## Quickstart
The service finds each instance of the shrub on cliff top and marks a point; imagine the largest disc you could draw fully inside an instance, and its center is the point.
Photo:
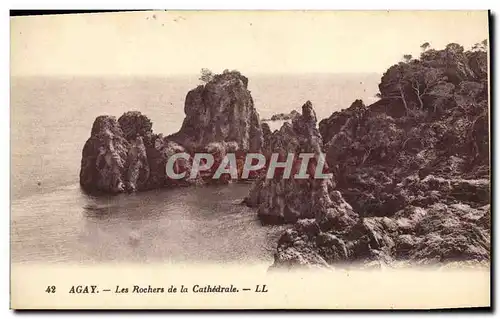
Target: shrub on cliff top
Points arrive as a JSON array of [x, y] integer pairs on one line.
[[430, 82], [206, 75]]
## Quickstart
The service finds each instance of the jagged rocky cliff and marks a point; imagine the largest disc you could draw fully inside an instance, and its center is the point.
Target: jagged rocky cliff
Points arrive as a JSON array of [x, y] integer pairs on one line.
[[125, 155], [411, 171], [279, 200], [220, 111]]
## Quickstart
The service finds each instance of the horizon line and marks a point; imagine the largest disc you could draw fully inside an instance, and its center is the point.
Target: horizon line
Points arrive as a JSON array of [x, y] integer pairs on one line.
[[188, 74]]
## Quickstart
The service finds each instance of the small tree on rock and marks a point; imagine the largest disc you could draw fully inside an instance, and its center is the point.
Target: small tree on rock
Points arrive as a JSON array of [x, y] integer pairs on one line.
[[425, 46], [206, 75], [481, 46]]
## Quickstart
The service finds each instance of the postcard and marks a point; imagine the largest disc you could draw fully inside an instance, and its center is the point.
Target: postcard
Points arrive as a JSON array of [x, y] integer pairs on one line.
[[250, 160]]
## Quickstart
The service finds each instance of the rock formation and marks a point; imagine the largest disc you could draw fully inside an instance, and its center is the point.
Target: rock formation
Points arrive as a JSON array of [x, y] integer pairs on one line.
[[413, 169], [104, 157], [125, 156], [439, 233], [220, 111], [279, 200]]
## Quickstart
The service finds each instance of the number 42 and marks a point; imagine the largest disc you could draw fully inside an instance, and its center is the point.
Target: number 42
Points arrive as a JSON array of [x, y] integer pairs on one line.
[[50, 289]]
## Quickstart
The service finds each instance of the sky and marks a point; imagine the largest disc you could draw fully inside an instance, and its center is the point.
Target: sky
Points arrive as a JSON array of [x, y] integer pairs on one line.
[[165, 43]]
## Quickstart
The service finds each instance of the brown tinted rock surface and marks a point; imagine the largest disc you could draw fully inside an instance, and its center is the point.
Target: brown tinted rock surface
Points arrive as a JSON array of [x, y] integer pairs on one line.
[[414, 167], [220, 111], [440, 233], [126, 156], [280, 200], [104, 157]]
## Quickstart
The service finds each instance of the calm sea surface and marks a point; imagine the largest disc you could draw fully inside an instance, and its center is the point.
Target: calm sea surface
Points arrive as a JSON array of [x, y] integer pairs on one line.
[[53, 221]]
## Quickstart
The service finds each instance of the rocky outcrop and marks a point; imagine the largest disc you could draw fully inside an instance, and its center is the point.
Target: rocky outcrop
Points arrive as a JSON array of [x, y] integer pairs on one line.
[[440, 135], [439, 233], [331, 126], [105, 157], [126, 155], [373, 154], [220, 111], [413, 168], [286, 200]]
